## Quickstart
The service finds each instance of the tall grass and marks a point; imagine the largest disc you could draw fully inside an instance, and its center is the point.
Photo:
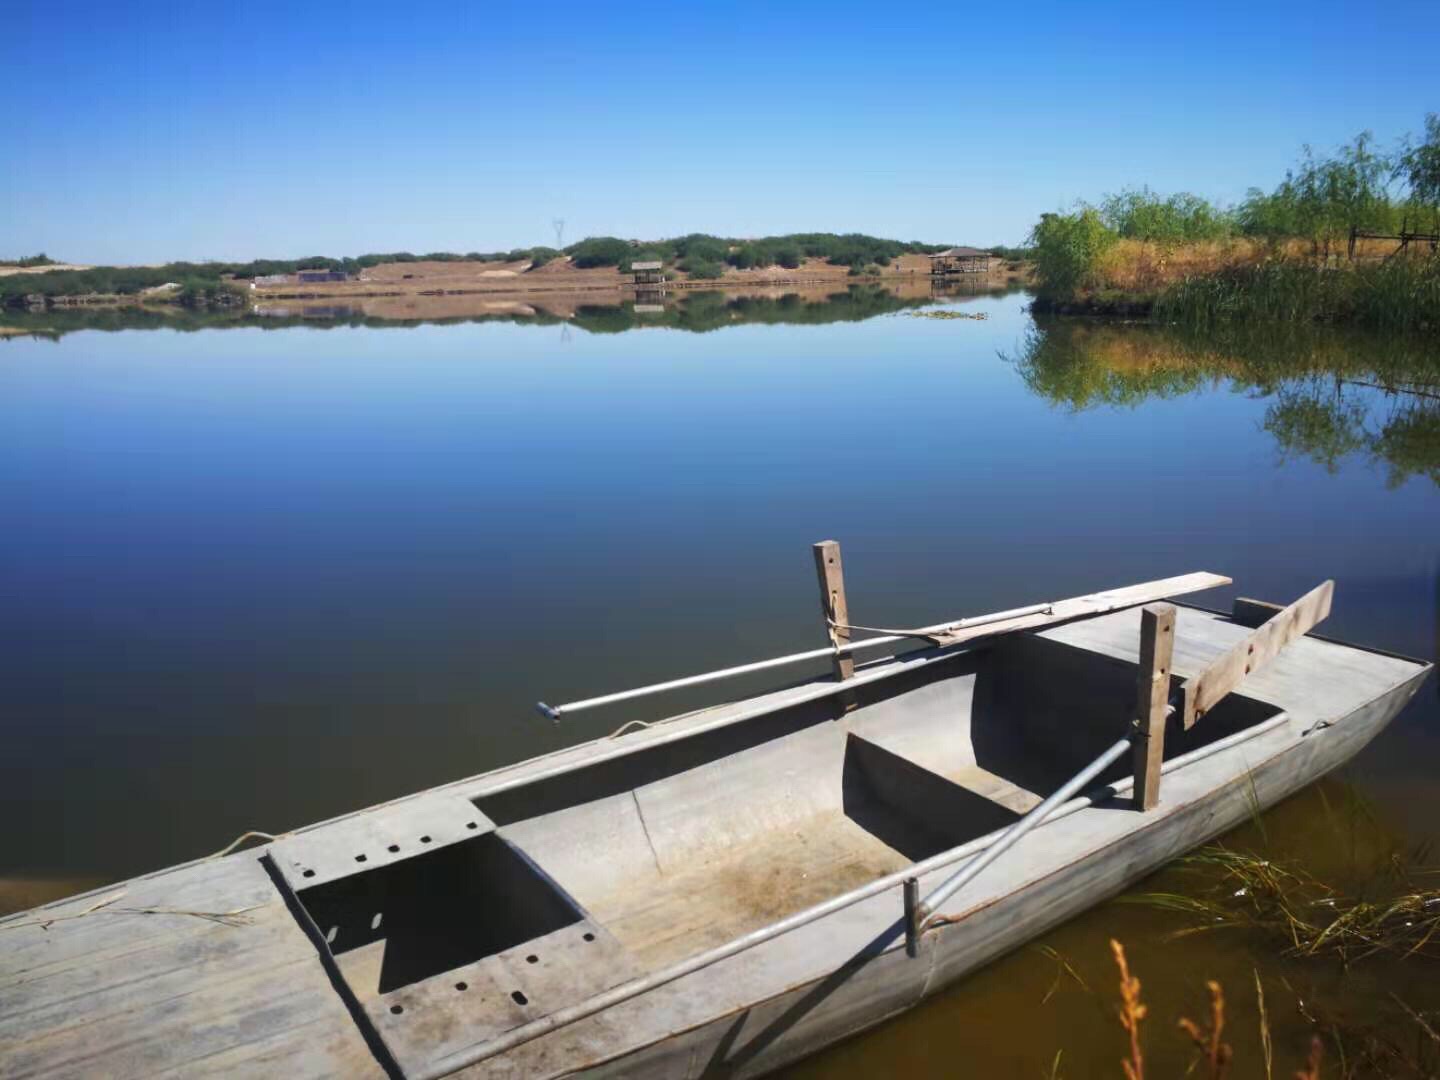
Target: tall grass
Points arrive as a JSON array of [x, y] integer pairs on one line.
[[1401, 294], [1263, 259]]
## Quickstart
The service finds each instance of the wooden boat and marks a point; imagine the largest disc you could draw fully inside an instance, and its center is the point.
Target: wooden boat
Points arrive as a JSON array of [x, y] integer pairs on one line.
[[725, 891]]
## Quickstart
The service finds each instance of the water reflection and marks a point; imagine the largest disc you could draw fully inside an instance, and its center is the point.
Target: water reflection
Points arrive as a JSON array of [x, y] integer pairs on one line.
[[1332, 397], [597, 311]]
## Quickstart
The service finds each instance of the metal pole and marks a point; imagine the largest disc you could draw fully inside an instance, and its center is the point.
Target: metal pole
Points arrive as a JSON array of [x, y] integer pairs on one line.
[[947, 888], [554, 712]]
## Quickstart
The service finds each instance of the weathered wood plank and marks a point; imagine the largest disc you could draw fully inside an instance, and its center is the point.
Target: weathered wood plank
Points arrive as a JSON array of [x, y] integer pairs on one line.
[[1085, 606], [1255, 650], [831, 575], [166, 979], [1157, 645]]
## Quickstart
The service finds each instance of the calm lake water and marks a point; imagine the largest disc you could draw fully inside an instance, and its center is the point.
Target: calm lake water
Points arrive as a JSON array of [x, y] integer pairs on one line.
[[255, 577]]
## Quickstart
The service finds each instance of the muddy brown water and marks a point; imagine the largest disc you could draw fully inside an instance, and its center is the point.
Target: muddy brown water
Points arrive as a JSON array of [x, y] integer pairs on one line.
[[257, 577]]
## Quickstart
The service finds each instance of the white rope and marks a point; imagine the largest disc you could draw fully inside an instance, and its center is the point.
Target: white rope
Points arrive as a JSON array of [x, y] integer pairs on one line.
[[929, 634], [251, 835], [835, 626]]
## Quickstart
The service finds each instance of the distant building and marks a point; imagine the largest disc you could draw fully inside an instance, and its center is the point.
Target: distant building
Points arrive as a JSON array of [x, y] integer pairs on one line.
[[308, 277], [960, 260], [648, 273]]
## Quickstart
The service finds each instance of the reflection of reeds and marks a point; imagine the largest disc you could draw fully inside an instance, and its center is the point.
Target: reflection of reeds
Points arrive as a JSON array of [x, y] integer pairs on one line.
[[1309, 916], [1394, 1050]]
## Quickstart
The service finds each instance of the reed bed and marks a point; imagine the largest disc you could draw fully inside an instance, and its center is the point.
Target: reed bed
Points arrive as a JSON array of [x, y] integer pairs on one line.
[[1401, 294], [1307, 916]]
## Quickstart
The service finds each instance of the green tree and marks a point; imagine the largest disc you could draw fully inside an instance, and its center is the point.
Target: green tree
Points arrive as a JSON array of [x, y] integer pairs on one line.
[[1067, 250], [1419, 165]]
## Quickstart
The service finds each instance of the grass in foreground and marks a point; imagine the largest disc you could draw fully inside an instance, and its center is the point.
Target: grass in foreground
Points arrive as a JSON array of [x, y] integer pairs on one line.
[[1400, 918], [1357, 1051]]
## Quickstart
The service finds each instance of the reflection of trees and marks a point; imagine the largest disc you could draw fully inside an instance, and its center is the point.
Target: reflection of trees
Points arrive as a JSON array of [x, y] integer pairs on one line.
[[1325, 431], [1335, 395], [710, 309], [698, 311]]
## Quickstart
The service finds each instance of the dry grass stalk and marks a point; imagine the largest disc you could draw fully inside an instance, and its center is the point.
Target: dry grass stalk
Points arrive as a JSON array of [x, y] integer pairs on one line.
[[1265, 1046], [1216, 1054], [1131, 1012], [1362, 1051], [1311, 1071]]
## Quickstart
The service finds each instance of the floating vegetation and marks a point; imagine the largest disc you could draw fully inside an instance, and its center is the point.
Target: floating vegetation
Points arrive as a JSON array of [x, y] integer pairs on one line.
[[977, 315], [1311, 918]]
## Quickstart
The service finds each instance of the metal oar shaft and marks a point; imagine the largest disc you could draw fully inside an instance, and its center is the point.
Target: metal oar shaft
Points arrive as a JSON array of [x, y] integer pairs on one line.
[[967, 873], [554, 712]]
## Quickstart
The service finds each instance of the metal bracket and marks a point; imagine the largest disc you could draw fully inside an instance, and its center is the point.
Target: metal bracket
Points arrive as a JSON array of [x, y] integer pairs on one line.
[[912, 917]]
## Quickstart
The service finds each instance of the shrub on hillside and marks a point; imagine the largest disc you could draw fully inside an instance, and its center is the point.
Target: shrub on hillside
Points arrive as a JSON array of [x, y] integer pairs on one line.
[[599, 251], [703, 269]]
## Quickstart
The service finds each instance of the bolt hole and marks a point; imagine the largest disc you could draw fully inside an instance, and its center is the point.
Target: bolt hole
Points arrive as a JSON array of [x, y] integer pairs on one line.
[[359, 858], [473, 825], [424, 839], [532, 959], [393, 848], [397, 1009], [462, 986], [589, 937], [519, 998], [308, 873]]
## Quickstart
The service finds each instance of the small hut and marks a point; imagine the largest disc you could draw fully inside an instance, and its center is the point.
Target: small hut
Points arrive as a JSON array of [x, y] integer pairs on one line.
[[960, 260], [308, 277], [648, 273]]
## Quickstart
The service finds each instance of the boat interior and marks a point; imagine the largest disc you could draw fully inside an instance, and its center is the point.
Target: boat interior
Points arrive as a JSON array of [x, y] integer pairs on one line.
[[657, 854]]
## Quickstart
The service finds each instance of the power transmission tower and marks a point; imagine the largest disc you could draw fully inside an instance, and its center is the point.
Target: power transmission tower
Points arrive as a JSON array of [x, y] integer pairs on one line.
[[559, 224]]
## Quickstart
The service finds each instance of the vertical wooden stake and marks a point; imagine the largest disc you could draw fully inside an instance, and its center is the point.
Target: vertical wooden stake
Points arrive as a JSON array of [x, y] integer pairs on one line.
[[912, 917], [1157, 645], [832, 601]]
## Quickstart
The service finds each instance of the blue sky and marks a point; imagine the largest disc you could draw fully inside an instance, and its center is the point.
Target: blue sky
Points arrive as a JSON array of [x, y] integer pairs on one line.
[[141, 133]]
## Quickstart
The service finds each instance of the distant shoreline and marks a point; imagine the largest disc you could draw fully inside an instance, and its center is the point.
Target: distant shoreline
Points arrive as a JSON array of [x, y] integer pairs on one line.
[[466, 278]]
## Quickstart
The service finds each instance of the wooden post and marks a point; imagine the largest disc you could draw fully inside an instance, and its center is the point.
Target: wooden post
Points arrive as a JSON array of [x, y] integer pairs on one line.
[[912, 917], [831, 575], [1157, 645]]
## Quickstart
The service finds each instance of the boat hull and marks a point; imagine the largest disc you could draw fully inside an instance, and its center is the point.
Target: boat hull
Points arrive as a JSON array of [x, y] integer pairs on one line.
[[882, 982]]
